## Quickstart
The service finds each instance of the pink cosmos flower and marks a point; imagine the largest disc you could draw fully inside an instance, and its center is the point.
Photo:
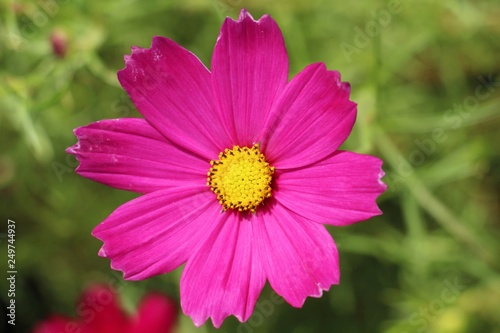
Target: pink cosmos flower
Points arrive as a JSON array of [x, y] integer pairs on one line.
[[239, 169], [99, 312]]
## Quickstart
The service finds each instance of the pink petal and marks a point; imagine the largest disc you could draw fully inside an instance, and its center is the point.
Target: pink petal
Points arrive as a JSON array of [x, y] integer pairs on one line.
[[156, 314], [339, 190], [299, 257], [310, 119], [224, 276], [249, 68], [173, 90], [130, 154], [55, 324], [158, 231], [100, 311]]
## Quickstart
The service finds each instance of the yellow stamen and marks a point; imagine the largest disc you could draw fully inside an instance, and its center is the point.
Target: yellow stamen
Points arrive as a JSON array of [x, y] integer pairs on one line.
[[241, 178]]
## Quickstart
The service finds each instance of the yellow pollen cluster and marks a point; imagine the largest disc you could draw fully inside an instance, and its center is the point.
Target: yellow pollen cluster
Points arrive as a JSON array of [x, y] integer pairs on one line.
[[241, 178]]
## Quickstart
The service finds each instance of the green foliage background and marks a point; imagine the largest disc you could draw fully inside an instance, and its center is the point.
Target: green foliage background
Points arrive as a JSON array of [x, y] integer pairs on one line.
[[418, 76]]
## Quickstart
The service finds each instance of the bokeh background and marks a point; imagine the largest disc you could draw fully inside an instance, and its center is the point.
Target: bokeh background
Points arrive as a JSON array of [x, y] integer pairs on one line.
[[426, 77]]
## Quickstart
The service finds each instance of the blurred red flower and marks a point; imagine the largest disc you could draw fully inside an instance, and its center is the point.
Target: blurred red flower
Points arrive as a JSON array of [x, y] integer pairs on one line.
[[99, 311]]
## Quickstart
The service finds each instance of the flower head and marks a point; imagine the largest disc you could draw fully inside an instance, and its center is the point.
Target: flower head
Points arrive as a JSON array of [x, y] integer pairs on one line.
[[100, 312], [239, 169]]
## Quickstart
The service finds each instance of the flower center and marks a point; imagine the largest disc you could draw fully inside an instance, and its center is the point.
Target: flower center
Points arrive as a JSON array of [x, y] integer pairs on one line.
[[241, 178]]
